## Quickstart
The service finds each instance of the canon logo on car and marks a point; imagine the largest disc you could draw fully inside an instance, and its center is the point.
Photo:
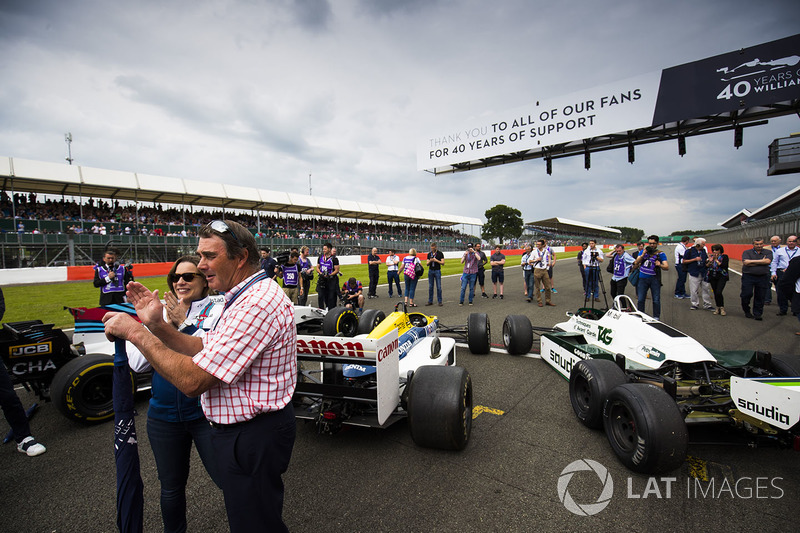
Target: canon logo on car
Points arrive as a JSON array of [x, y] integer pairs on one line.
[[323, 347], [384, 352]]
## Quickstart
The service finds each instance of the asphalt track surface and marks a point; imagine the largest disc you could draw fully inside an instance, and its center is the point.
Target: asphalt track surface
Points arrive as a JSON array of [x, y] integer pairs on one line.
[[505, 480]]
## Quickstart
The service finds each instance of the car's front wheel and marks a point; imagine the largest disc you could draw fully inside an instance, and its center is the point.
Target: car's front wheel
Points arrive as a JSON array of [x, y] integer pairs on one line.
[[590, 382], [440, 407], [479, 333], [517, 334], [340, 321], [82, 389]]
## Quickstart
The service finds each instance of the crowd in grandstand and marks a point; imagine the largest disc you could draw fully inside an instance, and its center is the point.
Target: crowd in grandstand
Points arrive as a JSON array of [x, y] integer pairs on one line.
[[101, 217]]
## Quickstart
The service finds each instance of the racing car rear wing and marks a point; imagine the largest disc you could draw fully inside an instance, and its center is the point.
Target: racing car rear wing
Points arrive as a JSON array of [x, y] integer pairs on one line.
[[382, 353]]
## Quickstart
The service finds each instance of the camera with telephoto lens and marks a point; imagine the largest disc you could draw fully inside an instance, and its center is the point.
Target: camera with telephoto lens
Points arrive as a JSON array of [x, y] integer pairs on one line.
[[651, 249], [595, 255]]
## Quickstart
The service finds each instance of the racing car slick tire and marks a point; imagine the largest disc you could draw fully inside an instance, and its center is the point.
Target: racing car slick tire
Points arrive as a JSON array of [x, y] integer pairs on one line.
[[479, 334], [590, 381], [369, 320], [340, 320], [786, 366], [82, 389], [440, 407], [645, 428], [517, 334]]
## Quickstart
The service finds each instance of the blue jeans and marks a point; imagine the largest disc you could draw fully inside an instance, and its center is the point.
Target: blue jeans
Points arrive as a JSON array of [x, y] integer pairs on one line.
[[411, 286], [468, 279], [528, 274], [394, 275], [434, 278], [172, 447], [652, 283], [592, 275], [680, 285]]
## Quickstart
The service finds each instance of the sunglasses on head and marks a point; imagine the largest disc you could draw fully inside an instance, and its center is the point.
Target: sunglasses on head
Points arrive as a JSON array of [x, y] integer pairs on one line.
[[221, 227], [188, 277]]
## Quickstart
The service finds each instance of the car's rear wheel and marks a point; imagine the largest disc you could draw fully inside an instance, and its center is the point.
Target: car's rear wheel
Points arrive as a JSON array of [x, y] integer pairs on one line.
[[645, 428], [787, 366], [479, 333], [82, 389], [517, 334], [340, 321], [590, 381], [369, 320], [440, 407]]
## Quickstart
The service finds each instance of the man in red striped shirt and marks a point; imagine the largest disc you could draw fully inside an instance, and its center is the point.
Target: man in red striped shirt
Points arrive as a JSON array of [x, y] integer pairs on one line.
[[245, 369]]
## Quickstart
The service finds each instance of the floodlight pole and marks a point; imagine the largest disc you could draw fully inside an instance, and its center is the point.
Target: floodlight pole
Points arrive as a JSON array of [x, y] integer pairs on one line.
[[309, 183], [68, 140]]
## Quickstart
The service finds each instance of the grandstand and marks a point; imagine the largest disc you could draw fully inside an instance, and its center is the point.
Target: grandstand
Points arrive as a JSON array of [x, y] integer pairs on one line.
[[563, 231], [154, 218], [781, 217]]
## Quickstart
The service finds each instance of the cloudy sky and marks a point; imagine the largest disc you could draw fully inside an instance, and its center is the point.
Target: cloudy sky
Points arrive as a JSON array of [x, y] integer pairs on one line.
[[263, 92]]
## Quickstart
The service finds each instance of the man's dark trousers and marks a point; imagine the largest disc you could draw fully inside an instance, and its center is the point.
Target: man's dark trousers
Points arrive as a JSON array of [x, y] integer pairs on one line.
[[755, 288]]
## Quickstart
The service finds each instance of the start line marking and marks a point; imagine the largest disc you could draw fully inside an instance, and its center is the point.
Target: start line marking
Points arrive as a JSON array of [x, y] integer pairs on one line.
[[478, 409], [499, 350]]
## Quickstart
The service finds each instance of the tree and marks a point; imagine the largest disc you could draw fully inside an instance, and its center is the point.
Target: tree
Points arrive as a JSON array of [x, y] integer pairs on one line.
[[630, 234], [502, 222]]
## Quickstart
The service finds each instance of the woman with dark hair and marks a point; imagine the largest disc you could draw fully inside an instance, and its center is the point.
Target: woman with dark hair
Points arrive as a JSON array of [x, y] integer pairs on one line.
[[410, 263], [718, 276], [174, 420]]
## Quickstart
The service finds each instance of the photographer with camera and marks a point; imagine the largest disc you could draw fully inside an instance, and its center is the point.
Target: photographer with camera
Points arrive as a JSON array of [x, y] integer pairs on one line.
[[542, 259], [651, 262], [620, 268], [328, 281], [111, 278], [592, 257]]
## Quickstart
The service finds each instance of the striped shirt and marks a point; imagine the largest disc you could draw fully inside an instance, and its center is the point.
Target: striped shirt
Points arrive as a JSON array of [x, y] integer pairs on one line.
[[252, 351]]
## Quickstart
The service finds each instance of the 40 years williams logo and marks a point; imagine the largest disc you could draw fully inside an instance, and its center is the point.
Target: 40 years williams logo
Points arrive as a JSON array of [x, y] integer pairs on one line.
[[585, 509]]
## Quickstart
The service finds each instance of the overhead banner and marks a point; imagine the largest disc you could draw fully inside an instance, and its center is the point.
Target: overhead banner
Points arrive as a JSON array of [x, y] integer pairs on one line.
[[761, 75]]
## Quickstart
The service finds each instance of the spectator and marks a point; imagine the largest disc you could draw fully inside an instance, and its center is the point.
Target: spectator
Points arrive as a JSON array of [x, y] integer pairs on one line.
[[581, 267], [306, 275], [374, 261], [777, 268], [696, 259], [680, 285], [174, 420], [245, 368], [775, 246], [541, 261], [651, 262], [435, 262], [353, 294], [481, 274], [755, 278], [527, 272], [790, 285], [718, 276], [291, 277], [410, 275], [621, 262], [470, 260], [327, 280], [268, 264], [592, 257], [12, 407], [497, 262], [550, 270], [111, 278], [392, 273]]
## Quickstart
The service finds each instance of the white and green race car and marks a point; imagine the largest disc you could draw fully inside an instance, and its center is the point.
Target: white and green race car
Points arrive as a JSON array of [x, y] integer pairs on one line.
[[644, 382]]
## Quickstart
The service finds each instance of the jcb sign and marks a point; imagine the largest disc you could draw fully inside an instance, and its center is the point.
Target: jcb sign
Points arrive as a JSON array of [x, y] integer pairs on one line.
[[30, 349]]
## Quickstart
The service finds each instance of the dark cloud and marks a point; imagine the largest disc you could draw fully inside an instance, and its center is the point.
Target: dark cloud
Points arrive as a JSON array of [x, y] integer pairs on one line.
[[311, 14]]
